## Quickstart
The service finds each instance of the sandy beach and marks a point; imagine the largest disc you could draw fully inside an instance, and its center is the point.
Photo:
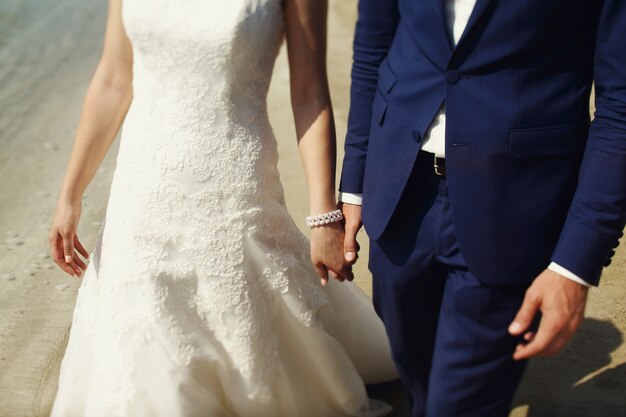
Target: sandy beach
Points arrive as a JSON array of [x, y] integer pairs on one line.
[[48, 52]]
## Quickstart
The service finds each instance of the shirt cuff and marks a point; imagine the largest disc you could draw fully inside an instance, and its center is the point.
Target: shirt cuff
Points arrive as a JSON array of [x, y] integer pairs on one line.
[[350, 198], [567, 274]]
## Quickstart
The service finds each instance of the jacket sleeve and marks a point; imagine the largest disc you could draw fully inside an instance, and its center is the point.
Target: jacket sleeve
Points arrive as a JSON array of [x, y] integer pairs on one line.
[[598, 212], [375, 30]]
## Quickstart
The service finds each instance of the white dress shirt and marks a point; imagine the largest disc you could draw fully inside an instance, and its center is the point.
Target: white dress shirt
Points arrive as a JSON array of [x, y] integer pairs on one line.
[[458, 13]]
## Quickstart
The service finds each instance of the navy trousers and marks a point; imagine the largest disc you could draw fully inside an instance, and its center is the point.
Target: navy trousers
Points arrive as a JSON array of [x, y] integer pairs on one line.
[[448, 331]]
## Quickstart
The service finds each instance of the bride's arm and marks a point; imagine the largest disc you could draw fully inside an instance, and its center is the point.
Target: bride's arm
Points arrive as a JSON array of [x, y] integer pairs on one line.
[[104, 108], [313, 114]]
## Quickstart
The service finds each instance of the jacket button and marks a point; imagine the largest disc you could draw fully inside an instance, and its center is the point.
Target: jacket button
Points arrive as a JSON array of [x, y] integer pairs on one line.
[[608, 262], [416, 136], [453, 76]]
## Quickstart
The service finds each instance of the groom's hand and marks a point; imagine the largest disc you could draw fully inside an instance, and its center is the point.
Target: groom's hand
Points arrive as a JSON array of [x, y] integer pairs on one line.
[[562, 305], [352, 219]]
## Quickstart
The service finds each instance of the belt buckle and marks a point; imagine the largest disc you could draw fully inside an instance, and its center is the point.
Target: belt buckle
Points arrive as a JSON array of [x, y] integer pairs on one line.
[[438, 171]]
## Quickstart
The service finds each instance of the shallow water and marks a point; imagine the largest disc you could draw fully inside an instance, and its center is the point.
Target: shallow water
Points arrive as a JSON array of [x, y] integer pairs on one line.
[[48, 50], [43, 45]]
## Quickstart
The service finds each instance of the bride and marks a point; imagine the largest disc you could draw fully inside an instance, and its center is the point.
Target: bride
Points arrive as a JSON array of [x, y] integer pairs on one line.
[[200, 298]]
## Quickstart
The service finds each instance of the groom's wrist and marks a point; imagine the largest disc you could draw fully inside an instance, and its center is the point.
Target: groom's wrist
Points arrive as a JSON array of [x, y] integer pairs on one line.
[[351, 198], [567, 274]]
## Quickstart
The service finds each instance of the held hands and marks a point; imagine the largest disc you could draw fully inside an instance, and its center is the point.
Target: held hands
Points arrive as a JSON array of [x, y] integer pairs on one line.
[[64, 243], [334, 248], [327, 253], [562, 305]]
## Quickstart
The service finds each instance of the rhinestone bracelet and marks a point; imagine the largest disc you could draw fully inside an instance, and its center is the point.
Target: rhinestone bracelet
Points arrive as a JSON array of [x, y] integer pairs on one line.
[[325, 218]]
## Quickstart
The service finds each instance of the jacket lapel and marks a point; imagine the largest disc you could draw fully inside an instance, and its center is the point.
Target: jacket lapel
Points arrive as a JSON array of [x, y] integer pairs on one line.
[[441, 22], [479, 10]]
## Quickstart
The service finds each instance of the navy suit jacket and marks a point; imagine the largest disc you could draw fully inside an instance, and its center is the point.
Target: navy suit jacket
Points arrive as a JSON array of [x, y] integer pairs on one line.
[[531, 178]]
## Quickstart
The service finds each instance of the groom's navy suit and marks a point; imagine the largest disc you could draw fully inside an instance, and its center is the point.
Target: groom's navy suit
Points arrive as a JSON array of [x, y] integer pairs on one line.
[[530, 179]]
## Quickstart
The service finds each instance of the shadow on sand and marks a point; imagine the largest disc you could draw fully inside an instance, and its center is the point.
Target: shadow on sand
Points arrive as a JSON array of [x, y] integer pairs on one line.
[[575, 383]]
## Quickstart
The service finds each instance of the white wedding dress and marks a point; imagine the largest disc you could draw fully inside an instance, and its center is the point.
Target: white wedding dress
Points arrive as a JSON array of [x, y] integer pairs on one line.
[[200, 299]]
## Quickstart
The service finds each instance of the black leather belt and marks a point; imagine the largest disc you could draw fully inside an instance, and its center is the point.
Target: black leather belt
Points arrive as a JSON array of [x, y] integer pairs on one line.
[[440, 166]]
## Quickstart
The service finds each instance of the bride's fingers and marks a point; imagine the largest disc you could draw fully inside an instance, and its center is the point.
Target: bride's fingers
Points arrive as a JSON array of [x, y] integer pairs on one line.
[[322, 272], [80, 248], [333, 275], [344, 271], [79, 262], [68, 246], [68, 252], [56, 246], [77, 270]]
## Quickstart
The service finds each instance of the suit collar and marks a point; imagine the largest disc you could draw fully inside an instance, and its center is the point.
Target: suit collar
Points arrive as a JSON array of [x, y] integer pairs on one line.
[[441, 17], [480, 9], [444, 53]]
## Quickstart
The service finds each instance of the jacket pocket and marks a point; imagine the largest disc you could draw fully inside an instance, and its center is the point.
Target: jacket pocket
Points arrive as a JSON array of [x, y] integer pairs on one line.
[[547, 141]]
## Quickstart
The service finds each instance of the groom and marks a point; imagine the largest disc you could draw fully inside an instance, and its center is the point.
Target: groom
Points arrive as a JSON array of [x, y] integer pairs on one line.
[[491, 201]]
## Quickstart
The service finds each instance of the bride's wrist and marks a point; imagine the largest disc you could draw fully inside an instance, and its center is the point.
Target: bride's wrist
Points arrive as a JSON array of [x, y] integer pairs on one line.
[[70, 198], [316, 211], [321, 206]]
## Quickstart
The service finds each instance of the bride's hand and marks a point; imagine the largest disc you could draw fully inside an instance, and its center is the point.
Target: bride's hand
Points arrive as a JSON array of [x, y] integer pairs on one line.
[[327, 253], [64, 243]]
